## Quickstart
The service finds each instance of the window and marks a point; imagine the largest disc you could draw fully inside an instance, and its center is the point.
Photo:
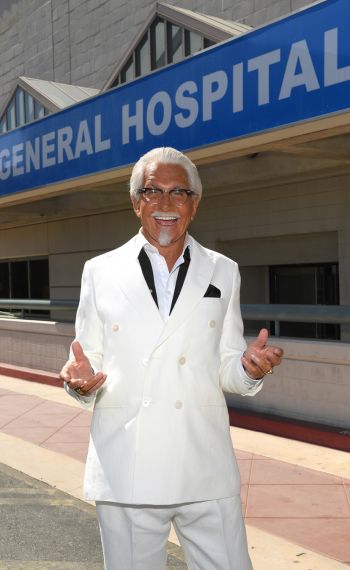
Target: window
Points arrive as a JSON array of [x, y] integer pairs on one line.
[[316, 284], [158, 54], [25, 279], [193, 43], [174, 43], [127, 73], [163, 43], [22, 109], [142, 57]]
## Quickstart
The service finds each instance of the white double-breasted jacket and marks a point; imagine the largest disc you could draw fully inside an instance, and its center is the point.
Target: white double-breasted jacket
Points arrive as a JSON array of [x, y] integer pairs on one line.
[[160, 430]]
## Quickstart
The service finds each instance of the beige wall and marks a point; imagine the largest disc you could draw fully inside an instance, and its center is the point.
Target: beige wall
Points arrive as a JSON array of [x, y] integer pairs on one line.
[[312, 383], [298, 222], [35, 344]]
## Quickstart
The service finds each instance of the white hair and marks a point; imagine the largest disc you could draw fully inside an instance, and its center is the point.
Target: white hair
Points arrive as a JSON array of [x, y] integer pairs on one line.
[[164, 155]]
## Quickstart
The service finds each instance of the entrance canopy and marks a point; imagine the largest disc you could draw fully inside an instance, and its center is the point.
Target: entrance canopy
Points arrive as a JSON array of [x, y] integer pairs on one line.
[[283, 83]]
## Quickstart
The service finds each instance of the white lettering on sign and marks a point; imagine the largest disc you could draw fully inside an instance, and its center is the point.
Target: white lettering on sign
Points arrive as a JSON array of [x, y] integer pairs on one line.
[[262, 65], [32, 155], [255, 90], [135, 120], [17, 159], [199, 99], [186, 103], [214, 89], [161, 100], [237, 88], [54, 147], [5, 164], [332, 73], [64, 144], [48, 149], [299, 57]]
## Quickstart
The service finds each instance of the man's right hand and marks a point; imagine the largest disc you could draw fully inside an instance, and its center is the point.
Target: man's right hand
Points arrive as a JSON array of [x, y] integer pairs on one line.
[[79, 375]]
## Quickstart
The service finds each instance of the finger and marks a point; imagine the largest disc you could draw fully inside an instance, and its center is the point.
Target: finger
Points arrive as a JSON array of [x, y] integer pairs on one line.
[[69, 371], [277, 351], [90, 387], [65, 373], [274, 355], [263, 364], [262, 338], [97, 385], [251, 369], [78, 352]]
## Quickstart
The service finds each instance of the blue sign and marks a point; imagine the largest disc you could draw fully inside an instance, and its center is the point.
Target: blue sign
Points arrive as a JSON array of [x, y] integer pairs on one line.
[[293, 70]]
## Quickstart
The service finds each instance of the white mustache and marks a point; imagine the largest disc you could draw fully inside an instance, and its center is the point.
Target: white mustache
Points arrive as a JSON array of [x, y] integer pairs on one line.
[[161, 214]]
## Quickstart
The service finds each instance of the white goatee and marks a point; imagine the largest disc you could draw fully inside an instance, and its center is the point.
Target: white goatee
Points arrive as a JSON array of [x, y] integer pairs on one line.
[[164, 237]]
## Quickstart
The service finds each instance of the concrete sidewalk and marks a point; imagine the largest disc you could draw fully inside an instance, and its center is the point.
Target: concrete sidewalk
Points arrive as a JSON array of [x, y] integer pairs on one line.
[[295, 496]]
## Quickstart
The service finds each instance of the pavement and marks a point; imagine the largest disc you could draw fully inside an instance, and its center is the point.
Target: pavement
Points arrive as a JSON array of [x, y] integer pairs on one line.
[[295, 496]]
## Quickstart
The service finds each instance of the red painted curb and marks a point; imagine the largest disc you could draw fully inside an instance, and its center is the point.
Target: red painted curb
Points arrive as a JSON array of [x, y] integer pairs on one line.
[[308, 432], [31, 374]]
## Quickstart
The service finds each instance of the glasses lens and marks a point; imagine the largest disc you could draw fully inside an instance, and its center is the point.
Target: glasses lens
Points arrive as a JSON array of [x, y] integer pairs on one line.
[[152, 195], [178, 196]]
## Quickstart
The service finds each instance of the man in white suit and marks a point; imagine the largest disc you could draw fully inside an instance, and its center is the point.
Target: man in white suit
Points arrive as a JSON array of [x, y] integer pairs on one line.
[[159, 338]]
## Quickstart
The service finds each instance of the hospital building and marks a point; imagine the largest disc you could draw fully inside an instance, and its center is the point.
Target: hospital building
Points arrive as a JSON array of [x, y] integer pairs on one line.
[[256, 93]]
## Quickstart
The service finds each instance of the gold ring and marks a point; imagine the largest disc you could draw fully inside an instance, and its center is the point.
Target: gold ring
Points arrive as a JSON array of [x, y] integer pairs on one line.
[[79, 391], [269, 371]]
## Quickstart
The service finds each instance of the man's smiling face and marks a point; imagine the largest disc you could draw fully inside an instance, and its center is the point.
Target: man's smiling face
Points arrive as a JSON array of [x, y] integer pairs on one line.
[[166, 223]]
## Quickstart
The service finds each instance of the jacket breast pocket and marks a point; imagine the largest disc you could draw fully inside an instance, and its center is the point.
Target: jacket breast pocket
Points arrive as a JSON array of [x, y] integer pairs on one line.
[[209, 316]]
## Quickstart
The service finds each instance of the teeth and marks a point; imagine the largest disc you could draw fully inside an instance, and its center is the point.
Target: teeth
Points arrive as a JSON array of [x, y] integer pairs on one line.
[[165, 218]]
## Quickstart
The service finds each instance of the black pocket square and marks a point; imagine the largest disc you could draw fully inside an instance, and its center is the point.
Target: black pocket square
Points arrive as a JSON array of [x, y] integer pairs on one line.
[[212, 291]]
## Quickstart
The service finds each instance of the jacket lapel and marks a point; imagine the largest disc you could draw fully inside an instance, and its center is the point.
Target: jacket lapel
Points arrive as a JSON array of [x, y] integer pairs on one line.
[[134, 287], [196, 283]]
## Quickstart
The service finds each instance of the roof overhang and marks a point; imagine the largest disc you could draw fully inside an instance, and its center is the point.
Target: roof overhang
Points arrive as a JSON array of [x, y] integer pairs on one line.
[[215, 29], [51, 94]]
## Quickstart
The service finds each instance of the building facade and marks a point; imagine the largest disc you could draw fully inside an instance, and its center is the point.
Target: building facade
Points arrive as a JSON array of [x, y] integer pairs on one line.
[[280, 207]]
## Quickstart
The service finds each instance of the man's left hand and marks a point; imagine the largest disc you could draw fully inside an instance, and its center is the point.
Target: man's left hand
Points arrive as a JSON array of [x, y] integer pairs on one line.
[[259, 358]]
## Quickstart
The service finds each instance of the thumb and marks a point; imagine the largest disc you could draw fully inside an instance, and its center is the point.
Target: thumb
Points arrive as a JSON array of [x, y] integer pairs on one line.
[[261, 339], [78, 352]]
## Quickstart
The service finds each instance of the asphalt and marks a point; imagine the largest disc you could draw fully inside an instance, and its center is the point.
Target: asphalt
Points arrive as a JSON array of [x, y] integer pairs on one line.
[[43, 528]]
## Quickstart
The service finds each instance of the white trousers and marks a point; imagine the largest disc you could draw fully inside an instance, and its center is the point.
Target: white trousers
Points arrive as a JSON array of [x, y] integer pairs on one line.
[[211, 533]]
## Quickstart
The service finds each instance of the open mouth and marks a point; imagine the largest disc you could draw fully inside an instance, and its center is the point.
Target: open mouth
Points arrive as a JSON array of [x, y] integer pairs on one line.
[[166, 220]]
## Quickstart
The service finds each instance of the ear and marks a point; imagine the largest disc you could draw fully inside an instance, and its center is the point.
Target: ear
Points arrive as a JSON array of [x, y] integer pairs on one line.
[[136, 205]]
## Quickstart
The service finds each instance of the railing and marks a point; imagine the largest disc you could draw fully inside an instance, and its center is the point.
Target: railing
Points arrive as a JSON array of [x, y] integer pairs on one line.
[[332, 314], [328, 314], [20, 306]]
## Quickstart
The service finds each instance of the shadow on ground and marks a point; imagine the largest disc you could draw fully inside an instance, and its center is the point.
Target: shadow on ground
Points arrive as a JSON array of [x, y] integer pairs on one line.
[[43, 528]]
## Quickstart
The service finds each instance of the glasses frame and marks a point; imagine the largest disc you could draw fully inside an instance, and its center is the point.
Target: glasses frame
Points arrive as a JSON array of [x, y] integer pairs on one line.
[[159, 193]]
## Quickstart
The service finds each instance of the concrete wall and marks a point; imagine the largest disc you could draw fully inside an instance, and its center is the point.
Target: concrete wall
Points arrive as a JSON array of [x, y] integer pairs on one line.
[[312, 383], [81, 41], [35, 344], [295, 222], [68, 243]]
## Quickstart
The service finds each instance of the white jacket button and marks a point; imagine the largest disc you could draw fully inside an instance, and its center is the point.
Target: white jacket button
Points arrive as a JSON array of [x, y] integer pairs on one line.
[[182, 360], [145, 361], [212, 324], [178, 404], [115, 328], [146, 403]]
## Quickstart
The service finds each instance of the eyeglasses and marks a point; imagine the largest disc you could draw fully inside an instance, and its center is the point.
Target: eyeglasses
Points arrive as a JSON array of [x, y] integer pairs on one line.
[[178, 196]]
